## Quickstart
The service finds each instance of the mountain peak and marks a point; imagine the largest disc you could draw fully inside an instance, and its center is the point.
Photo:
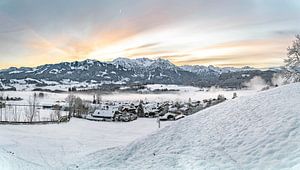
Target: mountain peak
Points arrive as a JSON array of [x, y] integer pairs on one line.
[[142, 62]]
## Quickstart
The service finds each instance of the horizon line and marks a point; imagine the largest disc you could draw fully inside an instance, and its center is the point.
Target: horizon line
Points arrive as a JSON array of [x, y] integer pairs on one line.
[[109, 61]]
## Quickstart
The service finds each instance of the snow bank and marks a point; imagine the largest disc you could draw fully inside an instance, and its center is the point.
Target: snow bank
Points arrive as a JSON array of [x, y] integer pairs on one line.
[[251, 132]]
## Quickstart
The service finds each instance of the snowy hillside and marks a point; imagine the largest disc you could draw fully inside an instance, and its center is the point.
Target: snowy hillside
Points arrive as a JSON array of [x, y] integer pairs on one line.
[[252, 132]]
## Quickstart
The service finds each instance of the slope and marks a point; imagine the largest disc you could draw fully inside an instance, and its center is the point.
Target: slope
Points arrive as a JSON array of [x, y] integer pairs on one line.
[[254, 132]]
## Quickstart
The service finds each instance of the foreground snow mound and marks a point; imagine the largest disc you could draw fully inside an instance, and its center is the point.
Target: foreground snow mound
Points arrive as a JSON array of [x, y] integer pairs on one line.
[[254, 132]]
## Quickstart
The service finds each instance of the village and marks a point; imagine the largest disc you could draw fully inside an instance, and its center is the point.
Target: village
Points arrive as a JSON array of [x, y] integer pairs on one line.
[[32, 111], [165, 111]]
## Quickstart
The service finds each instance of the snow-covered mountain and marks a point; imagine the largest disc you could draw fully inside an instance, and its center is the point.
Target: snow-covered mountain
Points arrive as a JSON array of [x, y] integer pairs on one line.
[[132, 63], [253, 132], [144, 63], [66, 72], [126, 71], [214, 70]]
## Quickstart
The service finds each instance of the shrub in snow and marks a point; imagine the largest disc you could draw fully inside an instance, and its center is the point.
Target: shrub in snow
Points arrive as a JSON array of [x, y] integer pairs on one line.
[[234, 95]]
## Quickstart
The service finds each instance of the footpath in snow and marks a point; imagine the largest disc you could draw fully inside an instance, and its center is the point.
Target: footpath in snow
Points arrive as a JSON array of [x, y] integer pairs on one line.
[[261, 131]]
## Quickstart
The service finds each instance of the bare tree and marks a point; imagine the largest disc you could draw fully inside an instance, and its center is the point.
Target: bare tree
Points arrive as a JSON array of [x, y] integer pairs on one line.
[[52, 116], [15, 114], [57, 112], [76, 106], [31, 112], [81, 107], [98, 98], [71, 102], [292, 67], [1, 95], [2, 104], [140, 109]]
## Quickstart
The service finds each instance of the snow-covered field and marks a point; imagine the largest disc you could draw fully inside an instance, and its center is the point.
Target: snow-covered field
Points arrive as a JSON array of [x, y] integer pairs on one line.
[[56, 146], [18, 114], [261, 131], [184, 93]]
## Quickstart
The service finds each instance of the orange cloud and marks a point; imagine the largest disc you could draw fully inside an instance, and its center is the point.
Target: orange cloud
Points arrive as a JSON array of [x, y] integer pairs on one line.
[[256, 53], [142, 46]]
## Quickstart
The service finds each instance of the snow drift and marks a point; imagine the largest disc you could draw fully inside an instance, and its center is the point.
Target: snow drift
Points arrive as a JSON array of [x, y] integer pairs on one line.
[[253, 132]]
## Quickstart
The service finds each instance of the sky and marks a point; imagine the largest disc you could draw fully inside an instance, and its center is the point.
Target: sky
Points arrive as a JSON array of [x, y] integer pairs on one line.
[[227, 33]]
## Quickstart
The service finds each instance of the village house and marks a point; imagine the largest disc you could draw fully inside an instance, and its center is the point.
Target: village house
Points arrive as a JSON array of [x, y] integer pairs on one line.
[[105, 113]]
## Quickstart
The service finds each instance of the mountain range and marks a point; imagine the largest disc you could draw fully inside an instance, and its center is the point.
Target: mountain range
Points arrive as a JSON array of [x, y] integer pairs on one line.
[[130, 71]]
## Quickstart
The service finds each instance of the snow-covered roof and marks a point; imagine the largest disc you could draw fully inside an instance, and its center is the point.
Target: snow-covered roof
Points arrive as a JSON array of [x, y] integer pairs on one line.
[[184, 109], [151, 110], [173, 109], [104, 113]]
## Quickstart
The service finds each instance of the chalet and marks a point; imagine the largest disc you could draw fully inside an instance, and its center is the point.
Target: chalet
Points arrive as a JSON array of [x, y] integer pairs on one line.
[[102, 115], [184, 110], [151, 110], [125, 116], [173, 109], [129, 109], [171, 116]]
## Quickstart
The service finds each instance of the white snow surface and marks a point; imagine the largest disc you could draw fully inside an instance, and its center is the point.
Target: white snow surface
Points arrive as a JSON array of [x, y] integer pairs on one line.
[[260, 131], [56, 146]]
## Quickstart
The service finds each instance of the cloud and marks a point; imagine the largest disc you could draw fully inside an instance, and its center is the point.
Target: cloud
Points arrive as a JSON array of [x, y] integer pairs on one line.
[[142, 46], [208, 60], [286, 32], [186, 32], [149, 53]]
